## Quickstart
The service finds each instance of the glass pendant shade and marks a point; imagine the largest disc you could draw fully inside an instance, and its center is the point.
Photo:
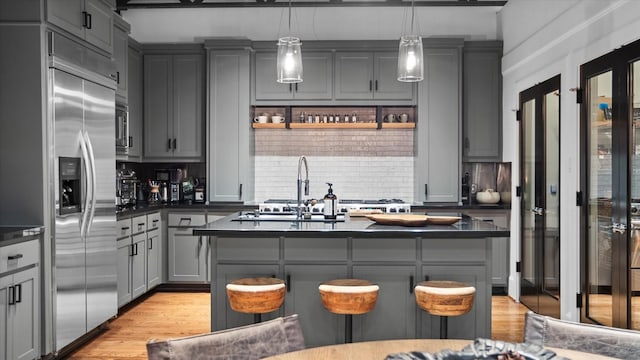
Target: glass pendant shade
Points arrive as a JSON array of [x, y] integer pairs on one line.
[[289, 61], [410, 59]]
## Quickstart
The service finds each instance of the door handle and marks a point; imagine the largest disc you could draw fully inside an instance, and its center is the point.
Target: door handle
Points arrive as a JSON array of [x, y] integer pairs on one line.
[[94, 181], [288, 282], [618, 228], [411, 284]]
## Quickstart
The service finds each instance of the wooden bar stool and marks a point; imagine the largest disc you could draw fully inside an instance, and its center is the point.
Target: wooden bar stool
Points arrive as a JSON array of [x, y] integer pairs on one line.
[[445, 298], [256, 296], [349, 297]]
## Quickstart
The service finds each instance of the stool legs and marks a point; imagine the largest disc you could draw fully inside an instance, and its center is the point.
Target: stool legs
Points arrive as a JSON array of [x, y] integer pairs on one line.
[[257, 318], [443, 327], [348, 328]]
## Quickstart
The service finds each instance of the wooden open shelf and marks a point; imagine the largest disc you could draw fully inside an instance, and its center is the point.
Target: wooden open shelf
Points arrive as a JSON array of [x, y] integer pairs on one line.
[[371, 125], [407, 125], [268, 126]]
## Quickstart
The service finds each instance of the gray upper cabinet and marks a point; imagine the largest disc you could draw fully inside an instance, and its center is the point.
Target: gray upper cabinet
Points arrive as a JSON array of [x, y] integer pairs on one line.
[[230, 138], [437, 158], [120, 50], [482, 117], [317, 77], [173, 106], [90, 20], [135, 100], [369, 75]]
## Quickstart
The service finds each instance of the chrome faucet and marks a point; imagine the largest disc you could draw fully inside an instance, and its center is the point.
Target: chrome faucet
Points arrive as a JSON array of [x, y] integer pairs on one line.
[[301, 160]]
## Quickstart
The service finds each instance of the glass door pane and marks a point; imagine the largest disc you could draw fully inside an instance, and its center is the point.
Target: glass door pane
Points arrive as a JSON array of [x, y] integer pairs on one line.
[[528, 288], [551, 244], [599, 287], [634, 251]]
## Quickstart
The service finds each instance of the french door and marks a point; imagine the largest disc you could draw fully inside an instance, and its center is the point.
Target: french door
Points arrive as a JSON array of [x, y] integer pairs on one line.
[[610, 126], [540, 205]]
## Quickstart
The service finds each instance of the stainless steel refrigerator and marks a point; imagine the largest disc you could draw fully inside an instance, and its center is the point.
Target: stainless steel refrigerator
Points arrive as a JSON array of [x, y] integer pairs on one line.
[[82, 160]]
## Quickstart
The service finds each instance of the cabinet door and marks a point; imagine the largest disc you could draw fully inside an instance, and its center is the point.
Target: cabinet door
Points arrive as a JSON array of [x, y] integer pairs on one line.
[[67, 14], [320, 327], [139, 265], [120, 50], [354, 75], [158, 106], [154, 251], [482, 120], [229, 136], [188, 106], [124, 271], [437, 159], [25, 315], [266, 86], [474, 324], [395, 307], [186, 255], [225, 317], [318, 77], [100, 27], [499, 246], [386, 84], [5, 328], [134, 94]]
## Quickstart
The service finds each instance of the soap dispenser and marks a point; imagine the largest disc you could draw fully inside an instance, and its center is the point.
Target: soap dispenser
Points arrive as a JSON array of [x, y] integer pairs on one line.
[[330, 204]]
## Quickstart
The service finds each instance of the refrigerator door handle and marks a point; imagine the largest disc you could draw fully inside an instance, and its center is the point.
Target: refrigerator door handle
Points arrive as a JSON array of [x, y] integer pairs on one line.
[[85, 157], [94, 184]]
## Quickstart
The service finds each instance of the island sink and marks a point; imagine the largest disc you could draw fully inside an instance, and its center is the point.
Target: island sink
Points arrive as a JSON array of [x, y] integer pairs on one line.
[[286, 217]]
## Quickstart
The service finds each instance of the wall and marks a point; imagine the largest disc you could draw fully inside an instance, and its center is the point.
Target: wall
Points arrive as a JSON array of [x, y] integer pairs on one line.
[[542, 39]]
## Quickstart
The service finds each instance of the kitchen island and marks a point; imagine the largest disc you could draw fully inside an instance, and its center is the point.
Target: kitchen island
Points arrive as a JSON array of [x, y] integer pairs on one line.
[[306, 253]]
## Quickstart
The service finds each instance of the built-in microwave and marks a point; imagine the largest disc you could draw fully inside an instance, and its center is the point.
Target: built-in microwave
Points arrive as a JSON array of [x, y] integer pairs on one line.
[[123, 141]]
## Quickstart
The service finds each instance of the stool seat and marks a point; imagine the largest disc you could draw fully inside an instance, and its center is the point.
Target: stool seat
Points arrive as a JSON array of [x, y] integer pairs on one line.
[[256, 295], [445, 298], [348, 296]]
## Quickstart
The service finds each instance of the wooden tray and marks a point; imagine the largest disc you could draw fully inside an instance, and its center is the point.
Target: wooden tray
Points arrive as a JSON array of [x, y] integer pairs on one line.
[[364, 212], [413, 220]]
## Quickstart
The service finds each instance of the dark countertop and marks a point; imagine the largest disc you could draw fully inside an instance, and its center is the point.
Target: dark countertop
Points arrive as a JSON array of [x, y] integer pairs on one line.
[[465, 228], [473, 206], [15, 234]]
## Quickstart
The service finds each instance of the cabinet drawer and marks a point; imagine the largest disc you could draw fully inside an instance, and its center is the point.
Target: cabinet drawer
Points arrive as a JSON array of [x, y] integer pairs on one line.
[[315, 249], [466, 250], [124, 228], [153, 221], [375, 249], [179, 219], [18, 255], [248, 249], [139, 224]]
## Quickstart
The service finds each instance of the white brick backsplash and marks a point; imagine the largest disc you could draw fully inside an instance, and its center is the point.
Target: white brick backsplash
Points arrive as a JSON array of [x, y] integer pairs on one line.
[[353, 177]]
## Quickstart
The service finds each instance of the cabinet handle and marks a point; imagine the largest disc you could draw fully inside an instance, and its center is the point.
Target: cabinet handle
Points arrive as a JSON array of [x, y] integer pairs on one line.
[[85, 19], [124, 228], [370, 85], [130, 141], [466, 143], [117, 77], [426, 190], [12, 295], [168, 144], [15, 257], [88, 21], [18, 293], [296, 86], [175, 143], [288, 282], [155, 221], [426, 278], [151, 244], [411, 285], [290, 88], [240, 193], [131, 250], [136, 244], [376, 85]]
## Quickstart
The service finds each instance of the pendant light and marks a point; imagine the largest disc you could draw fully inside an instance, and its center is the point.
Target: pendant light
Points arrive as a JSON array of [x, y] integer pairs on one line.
[[410, 57], [289, 61]]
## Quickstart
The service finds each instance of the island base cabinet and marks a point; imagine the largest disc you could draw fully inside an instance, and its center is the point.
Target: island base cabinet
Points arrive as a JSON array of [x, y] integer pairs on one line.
[[474, 324], [394, 316], [225, 317], [19, 315], [319, 326]]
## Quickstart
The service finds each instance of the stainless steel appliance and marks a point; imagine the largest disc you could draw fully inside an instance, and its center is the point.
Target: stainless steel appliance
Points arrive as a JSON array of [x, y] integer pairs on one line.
[[123, 140], [126, 188], [389, 206], [82, 163]]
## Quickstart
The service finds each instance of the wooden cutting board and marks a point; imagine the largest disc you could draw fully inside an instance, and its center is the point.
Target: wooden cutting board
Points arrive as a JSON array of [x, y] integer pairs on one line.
[[412, 219]]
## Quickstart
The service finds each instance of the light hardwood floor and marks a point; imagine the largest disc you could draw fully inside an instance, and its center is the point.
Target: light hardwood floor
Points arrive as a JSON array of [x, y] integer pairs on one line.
[[169, 314]]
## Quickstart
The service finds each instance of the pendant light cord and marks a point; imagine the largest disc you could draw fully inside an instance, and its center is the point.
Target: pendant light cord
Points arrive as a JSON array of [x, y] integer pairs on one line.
[[290, 19], [412, 10]]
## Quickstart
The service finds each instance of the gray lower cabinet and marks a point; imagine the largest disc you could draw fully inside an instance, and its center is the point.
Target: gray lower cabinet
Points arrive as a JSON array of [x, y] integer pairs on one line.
[[395, 307], [132, 280], [154, 260], [437, 135], [188, 255], [230, 138], [317, 75], [482, 114], [135, 100], [361, 75], [19, 315], [173, 106], [319, 326], [89, 20], [227, 317]]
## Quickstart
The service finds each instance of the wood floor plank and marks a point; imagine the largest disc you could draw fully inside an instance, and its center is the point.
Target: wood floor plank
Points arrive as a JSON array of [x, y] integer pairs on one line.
[[166, 315]]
